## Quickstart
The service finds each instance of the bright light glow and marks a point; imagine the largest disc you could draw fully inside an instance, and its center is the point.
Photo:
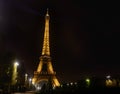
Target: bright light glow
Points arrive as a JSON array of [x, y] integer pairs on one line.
[[109, 82], [30, 79], [15, 73], [16, 63], [108, 77], [88, 80], [26, 74], [71, 83], [33, 81], [38, 88]]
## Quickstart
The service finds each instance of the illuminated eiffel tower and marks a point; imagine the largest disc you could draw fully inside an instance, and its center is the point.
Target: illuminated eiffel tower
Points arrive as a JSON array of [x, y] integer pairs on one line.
[[45, 70]]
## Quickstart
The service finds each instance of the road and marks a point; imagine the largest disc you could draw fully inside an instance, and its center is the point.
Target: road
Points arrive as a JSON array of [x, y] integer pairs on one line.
[[29, 92]]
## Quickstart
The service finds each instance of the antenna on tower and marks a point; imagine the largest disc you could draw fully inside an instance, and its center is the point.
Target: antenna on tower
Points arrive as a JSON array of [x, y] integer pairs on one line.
[[47, 11]]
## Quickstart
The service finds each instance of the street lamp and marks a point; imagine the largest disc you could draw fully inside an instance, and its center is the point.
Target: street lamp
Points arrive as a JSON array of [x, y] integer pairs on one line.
[[108, 76], [30, 79], [26, 78], [87, 82], [16, 64], [14, 76]]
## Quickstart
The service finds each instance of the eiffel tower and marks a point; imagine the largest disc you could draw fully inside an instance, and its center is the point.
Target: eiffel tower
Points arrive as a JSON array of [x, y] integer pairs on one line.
[[45, 69]]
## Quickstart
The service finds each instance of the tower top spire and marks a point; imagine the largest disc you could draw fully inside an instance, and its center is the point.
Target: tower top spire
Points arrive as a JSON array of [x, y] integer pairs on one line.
[[46, 48]]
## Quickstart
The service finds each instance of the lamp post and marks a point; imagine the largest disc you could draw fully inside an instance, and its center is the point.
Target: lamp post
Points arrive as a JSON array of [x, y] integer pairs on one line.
[[26, 79], [30, 81], [15, 73], [87, 82]]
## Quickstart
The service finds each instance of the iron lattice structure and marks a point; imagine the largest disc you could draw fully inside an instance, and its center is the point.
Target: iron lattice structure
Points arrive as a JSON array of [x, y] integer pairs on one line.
[[45, 69]]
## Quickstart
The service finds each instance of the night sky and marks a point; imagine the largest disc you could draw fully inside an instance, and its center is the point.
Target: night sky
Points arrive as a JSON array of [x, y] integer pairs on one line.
[[84, 36]]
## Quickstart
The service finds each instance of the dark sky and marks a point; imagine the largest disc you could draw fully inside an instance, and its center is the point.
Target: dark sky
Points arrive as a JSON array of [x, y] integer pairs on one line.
[[84, 36]]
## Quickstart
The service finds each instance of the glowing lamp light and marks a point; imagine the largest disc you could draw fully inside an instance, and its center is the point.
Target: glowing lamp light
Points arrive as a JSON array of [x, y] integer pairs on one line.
[[30, 79], [15, 73], [71, 83], [26, 74], [16, 63], [87, 80], [108, 77], [38, 88]]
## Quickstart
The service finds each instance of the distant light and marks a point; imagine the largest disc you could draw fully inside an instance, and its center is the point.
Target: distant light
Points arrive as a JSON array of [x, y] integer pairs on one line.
[[26, 74], [30, 79], [108, 77], [16, 63], [71, 83], [87, 80], [67, 84], [33, 81], [75, 83], [38, 88]]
